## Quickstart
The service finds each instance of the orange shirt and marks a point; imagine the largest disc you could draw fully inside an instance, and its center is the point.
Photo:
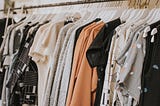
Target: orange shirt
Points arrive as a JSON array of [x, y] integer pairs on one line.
[[83, 82]]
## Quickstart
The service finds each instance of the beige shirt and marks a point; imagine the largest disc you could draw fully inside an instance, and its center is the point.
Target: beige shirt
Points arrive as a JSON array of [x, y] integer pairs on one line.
[[54, 62], [41, 51]]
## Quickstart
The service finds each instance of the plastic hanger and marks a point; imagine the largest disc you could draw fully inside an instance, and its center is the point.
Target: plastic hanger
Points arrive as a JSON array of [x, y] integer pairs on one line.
[[139, 15], [134, 14], [156, 17], [154, 14], [117, 14], [104, 15], [94, 13], [126, 14], [123, 14], [150, 19], [151, 13]]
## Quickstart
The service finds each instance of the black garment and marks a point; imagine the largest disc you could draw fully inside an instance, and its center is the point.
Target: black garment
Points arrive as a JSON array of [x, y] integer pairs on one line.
[[152, 78], [147, 63], [21, 59], [2, 29], [97, 54], [23, 86], [20, 65], [2, 25]]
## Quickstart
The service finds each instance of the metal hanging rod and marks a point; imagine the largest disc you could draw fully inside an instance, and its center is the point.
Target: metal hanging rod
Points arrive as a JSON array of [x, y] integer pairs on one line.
[[63, 4]]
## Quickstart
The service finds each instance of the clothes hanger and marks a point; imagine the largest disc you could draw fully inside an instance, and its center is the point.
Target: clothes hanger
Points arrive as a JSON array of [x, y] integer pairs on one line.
[[134, 13], [140, 14], [120, 9], [156, 14], [105, 13], [152, 14], [126, 14], [93, 13]]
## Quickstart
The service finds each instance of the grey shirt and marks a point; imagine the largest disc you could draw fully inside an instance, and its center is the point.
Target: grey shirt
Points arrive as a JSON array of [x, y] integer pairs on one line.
[[131, 62]]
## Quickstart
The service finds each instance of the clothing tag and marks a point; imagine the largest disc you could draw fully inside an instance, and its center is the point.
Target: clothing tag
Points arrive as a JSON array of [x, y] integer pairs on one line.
[[146, 30], [154, 31], [152, 39]]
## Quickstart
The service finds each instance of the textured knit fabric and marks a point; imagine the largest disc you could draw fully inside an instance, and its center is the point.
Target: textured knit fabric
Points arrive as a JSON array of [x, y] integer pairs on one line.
[[60, 41]]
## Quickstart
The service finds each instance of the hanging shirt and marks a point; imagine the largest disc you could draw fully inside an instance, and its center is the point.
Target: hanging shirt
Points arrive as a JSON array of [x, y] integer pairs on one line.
[[111, 72], [67, 56], [83, 79], [97, 54], [41, 51], [150, 89], [54, 78], [129, 79]]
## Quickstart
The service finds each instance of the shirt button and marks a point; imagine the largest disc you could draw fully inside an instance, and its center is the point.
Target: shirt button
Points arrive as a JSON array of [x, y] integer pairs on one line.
[[138, 45], [101, 69], [93, 55], [155, 67], [99, 79], [131, 73], [145, 90]]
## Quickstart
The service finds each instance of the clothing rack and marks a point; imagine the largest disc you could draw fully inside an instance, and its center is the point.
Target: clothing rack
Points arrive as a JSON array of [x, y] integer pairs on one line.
[[63, 4]]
